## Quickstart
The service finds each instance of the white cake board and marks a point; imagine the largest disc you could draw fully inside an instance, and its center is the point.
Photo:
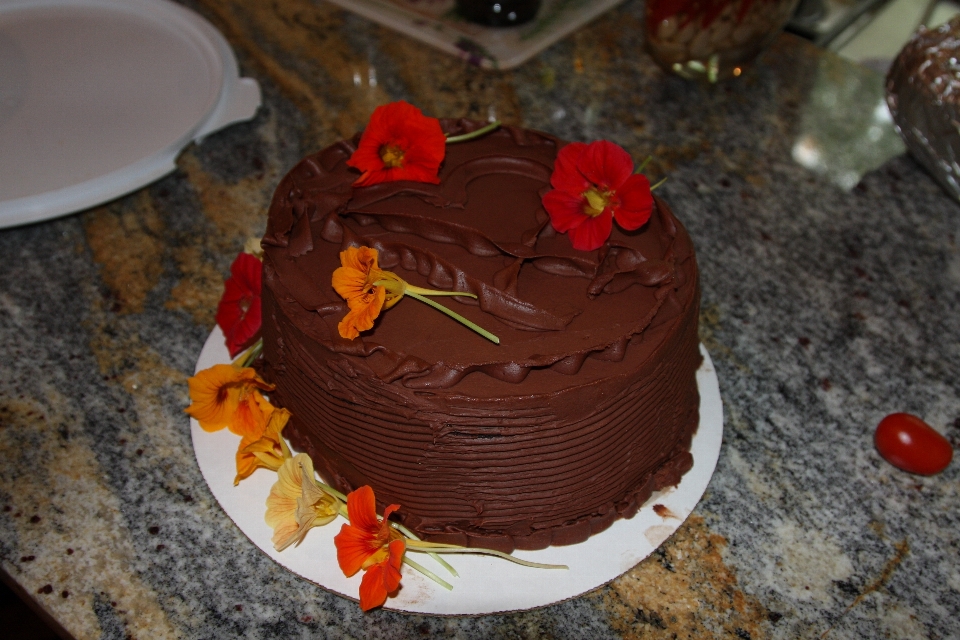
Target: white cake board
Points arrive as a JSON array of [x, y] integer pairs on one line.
[[486, 585]]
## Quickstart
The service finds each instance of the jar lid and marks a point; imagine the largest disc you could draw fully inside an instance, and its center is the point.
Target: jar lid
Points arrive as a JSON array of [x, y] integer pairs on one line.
[[98, 97]]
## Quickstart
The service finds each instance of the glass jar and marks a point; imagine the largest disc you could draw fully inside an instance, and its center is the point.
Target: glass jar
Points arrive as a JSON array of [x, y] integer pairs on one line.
[[712, 39]]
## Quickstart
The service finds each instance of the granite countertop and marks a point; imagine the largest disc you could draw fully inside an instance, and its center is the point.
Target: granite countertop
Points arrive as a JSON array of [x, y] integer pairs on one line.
[[831, 298]]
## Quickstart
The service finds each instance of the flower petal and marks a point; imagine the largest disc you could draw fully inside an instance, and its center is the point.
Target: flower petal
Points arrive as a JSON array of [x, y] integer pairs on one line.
[[391, 566], [360, 258], [592, 233], [605, 164], [246, 462], [350, 283], [246, 328], [362, 509], [636, 202], [362, 314], [252, 414], [386, 514], [565, 209], [247, 270], [382, 579], [373, 590], [397, 549], [400, 125], [268, 452], [238, 313], [281, 513], [284, 534], [354, 546], [217, 392], [566, 176]]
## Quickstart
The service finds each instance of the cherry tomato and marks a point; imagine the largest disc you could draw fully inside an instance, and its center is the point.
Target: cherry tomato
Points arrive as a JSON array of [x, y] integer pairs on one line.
[[909, 443]]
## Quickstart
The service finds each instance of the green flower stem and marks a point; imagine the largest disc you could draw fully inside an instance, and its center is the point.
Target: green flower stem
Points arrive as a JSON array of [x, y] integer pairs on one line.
[[644, 164], [456, 316], [430, 574], [426, 547], [331, 490], [658, 184], [410, 534], [409, 288], [246, 358], [474, 134]]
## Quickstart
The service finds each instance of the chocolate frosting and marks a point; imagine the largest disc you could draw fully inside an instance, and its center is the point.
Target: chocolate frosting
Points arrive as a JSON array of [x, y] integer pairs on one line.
[[587, 405]]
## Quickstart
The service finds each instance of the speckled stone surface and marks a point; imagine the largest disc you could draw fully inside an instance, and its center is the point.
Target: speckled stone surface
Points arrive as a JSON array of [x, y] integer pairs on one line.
[[823, 309]]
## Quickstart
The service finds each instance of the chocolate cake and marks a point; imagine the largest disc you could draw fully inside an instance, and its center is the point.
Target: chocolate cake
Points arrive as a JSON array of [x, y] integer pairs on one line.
[[586, 406]]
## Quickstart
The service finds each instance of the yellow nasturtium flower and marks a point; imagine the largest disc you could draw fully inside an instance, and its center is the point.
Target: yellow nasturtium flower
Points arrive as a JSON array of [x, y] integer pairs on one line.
[[296, 504]]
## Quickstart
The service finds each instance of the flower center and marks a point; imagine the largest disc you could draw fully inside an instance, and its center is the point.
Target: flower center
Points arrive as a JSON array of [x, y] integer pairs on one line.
[[392, 156], [596, 201], [395, 286], [371, 284]]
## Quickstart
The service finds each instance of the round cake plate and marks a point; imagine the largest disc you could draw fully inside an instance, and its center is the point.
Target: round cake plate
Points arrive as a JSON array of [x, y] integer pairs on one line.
[[98, 97], [486, 584]]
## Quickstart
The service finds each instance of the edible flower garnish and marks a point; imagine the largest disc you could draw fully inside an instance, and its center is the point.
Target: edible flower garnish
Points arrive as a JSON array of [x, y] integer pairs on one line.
[[296, 504], [593, 185], [372, 545], [238, 313], [229, 396], [268, 451], [369, 290], [399, 143]]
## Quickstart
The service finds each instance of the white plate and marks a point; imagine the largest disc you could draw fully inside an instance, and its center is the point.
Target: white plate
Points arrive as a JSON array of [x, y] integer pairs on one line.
[[98, 97], [485, 585], [437, 24]]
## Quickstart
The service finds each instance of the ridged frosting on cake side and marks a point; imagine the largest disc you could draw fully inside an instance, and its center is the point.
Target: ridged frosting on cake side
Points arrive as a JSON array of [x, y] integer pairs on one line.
[[588, 404]]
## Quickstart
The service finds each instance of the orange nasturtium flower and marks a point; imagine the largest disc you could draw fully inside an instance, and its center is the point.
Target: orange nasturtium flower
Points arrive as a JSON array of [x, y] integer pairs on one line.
[[368, 290], [229, 396], [268, 451], [296, 504], [372, 545], [364, 286]]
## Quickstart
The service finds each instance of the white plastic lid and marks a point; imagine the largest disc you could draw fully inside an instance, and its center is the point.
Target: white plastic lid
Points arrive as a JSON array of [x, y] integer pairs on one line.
[[98, 97]]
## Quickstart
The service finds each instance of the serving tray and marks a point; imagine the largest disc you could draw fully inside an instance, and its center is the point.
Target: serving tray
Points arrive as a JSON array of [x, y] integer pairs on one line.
[[436, 23]]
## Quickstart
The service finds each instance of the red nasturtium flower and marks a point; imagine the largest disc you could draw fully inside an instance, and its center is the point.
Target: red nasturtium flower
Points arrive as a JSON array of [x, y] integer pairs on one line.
[[593, 185], [372, 545], [399, 143], [238, 313]]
